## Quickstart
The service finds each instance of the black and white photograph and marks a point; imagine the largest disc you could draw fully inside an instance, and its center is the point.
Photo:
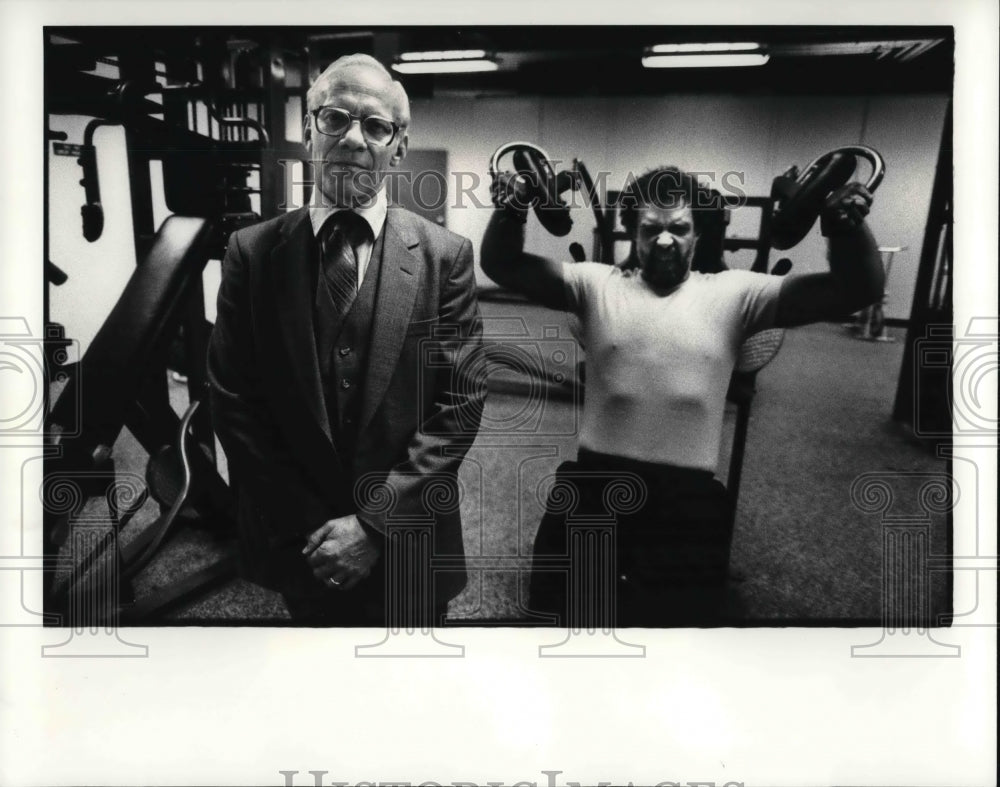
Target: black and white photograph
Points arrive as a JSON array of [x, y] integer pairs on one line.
[[589, 446], [595, 339]]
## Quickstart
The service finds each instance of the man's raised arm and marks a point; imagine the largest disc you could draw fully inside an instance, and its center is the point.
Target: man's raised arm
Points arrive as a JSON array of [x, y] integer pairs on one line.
[[856, 278], [504, 260]]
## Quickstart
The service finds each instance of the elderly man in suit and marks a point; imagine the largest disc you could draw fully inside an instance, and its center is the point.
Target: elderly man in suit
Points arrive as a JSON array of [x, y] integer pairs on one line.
[[331, 417]]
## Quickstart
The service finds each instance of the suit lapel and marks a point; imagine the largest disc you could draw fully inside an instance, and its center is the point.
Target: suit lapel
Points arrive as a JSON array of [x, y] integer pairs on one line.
[[393, 305], [293, 272]]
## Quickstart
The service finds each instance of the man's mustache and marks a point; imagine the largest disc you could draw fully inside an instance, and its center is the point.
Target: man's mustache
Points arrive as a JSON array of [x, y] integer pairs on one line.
[[667, 256]]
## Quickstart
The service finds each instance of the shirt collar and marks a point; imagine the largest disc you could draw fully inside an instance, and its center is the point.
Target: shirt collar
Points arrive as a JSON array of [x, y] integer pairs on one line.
[[374, 214]]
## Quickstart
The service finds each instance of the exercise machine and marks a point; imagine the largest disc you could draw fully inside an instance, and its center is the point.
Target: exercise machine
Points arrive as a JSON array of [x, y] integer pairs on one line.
[[206, 110]]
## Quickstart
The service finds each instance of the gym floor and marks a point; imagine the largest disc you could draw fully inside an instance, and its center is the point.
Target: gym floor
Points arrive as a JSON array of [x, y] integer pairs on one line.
[[803, 553]]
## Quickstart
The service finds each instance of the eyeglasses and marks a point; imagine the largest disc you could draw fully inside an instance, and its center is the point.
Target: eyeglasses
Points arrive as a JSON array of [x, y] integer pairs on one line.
[[335, 122]]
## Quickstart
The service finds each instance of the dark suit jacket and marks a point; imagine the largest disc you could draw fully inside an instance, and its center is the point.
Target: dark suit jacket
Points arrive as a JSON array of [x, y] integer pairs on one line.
[[420, 410]]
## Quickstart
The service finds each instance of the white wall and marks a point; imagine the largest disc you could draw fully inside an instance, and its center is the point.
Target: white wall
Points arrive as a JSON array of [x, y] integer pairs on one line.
[[757, 136], [97, 271]]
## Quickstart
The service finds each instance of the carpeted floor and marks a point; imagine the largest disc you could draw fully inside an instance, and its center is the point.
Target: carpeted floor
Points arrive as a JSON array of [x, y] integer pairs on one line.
[[803, 552]]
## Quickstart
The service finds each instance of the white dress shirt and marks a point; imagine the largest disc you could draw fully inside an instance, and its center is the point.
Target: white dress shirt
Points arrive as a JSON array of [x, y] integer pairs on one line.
[[374, 214]]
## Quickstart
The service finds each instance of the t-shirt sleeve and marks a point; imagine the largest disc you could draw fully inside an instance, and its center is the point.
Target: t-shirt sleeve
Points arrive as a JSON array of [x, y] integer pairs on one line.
[[581, 280], [758, 299]]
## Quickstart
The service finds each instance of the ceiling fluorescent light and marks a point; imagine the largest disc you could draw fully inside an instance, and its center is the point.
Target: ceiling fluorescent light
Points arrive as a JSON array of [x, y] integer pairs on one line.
[[445, 66], [449, 54], [715, 46], [732, 59]]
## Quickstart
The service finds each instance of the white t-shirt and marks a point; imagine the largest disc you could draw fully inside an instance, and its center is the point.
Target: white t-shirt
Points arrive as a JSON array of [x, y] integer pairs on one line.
[[658, 366]]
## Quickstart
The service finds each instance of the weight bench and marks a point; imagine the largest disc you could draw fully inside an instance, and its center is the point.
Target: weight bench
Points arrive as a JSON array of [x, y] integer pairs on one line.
[[121, 382]]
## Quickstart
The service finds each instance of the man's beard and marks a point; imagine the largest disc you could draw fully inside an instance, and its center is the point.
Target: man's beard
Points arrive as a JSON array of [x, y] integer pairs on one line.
[[667, 272]]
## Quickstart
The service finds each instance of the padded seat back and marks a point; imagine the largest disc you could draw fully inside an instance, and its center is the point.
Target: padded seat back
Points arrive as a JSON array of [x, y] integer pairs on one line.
[[133, 340]]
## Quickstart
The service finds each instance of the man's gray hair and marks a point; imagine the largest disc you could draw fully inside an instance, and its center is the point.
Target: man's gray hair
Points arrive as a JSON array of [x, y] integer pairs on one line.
[[397, 94]]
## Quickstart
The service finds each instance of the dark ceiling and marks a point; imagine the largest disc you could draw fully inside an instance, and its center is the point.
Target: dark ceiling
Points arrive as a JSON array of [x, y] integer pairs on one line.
[[583, 60]]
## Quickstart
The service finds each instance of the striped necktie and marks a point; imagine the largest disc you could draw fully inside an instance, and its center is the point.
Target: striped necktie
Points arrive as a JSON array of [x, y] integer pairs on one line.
[[339, 239]]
